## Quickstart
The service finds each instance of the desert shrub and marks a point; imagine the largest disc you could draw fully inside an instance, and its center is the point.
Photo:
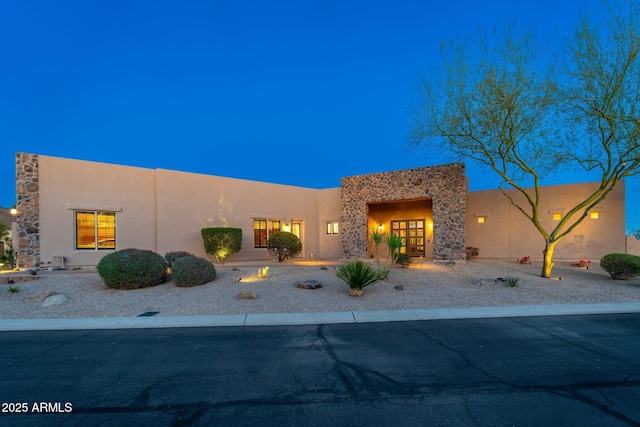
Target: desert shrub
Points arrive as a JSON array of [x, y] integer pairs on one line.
[[192, 271], [357, 274], [221, 241], [132, 269], [621, 266], [170, 257], [471, 252], [283, 245], [404, 260]]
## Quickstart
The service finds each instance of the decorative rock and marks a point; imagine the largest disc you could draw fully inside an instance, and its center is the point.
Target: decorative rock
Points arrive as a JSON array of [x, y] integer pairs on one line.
[[40, 296], [246, 295], [56, 299], [399, 288], [445, 263], [481, 281], [309, 284]]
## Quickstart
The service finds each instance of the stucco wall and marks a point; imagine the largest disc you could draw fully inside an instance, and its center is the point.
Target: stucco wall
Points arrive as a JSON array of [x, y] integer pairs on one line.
[[508, 234], [68, 185], [329, 206], [445, 185], [188, 202], [633, 245], [160, 210]]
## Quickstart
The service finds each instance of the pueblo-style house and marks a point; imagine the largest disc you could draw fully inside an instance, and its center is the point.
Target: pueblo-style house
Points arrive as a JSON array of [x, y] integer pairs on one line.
[[75, 212]]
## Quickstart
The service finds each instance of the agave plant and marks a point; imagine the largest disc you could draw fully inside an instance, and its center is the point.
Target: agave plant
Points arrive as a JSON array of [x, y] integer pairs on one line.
[[357, 274]]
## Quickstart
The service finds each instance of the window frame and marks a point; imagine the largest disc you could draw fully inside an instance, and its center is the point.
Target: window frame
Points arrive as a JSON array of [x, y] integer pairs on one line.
[[110, 232], [333, 228], [270, 228]]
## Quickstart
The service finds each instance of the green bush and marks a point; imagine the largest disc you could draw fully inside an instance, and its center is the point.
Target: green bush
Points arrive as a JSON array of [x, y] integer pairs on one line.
[[621, 266], [357, 274], [192, 271], [170, 257], [404, 260], [222, 241], [132, 269], [283, 245]]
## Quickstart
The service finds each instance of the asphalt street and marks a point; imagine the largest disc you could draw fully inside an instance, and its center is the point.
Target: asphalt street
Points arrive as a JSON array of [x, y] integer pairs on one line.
[[525, 371]]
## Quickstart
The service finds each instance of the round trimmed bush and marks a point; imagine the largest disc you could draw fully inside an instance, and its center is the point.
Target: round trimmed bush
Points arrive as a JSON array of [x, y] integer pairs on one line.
[[132, 269], [192, 271], [172, 256], [283, 245], [621, 266]]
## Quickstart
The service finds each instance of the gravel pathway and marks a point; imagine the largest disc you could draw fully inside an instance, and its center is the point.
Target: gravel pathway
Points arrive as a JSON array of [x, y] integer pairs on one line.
[[423, 287]]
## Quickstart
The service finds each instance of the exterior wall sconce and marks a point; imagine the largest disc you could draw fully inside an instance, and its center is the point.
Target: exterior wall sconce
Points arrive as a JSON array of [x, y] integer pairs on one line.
[[13, 211], [380, 226], [481, 219], [594, 215], [286, 227]]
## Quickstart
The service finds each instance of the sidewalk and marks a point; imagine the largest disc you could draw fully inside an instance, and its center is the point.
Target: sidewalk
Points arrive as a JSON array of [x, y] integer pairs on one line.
[[313, 318]]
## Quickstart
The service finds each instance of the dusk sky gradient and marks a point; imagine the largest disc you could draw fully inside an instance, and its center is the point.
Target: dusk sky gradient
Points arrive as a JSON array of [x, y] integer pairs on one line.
[[291, 92]]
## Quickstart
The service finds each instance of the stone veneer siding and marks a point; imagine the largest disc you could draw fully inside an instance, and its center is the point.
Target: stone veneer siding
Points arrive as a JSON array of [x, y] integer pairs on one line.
[[446, 185], [28, 206]]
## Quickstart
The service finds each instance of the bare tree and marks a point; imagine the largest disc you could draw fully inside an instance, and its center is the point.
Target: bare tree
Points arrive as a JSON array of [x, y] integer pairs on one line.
[[526, 109]]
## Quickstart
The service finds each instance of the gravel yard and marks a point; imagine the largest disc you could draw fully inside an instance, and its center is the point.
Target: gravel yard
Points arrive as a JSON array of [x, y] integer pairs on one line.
[[423, 287]]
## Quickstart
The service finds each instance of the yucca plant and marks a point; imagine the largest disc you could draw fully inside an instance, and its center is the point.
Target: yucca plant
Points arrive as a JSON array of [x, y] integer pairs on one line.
[[377, 237], [357, 274], [394, 242]]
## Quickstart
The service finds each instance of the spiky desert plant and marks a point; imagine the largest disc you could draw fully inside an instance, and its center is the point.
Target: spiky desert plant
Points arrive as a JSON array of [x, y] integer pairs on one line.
[[377, 236], [394, 242], [357, 274]]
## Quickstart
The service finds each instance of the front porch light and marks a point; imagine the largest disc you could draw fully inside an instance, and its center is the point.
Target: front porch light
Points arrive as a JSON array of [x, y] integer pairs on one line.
[[14, 211], [380, 227]]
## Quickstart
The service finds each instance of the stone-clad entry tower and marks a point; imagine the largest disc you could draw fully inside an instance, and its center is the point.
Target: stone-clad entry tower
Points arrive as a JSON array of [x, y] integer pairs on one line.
[[445, 185]]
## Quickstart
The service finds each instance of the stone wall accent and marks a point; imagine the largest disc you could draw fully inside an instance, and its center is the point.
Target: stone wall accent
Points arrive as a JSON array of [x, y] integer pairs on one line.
[[28, 206], [446, 185]]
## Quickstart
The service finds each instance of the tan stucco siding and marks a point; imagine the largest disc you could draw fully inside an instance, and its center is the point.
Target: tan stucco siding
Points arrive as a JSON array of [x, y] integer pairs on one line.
[[507, 233], [188, 202], [68, 185], [633, 245], [329, 204]]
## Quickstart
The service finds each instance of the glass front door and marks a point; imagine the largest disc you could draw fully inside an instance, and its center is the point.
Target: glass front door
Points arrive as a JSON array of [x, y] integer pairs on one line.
[[412, 233]]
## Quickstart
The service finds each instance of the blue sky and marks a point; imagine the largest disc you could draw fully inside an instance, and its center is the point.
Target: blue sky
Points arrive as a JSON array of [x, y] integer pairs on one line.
[[292, 92]]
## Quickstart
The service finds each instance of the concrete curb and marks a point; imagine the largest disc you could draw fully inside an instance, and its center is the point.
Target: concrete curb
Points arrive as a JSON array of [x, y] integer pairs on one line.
[[265, 319]]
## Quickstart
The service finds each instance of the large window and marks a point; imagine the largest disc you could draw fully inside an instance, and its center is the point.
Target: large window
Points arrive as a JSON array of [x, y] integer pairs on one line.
[[95, 230], [262, 229]]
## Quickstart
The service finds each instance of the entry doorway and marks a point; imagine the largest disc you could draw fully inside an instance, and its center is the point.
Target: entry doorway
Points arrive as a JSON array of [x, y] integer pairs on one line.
[[296, 229], [413, 235]]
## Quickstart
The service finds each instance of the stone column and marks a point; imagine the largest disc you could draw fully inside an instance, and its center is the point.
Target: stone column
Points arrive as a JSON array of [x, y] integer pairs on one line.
[[28, 206]]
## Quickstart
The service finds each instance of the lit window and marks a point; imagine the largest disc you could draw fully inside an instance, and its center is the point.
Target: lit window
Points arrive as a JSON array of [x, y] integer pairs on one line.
[[595, 215], [95, 230], [332, 227], [262, 229], [481, 220], [557, 216]]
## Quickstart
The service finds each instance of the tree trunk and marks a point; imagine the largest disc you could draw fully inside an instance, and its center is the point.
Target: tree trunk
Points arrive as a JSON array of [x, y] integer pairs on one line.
[[547, 261]]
